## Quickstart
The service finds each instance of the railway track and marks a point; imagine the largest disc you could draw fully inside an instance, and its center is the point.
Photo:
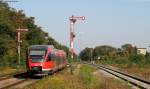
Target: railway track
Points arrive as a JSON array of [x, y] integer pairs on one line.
[[6, 76], [11, 83], [16, 81], [138, 82]]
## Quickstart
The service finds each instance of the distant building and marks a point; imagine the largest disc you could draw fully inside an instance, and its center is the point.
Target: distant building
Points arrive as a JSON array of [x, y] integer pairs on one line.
[[141, 51]]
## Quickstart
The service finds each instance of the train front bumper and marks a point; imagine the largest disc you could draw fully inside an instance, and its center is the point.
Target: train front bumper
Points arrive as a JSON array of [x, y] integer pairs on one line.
[[38, 70]]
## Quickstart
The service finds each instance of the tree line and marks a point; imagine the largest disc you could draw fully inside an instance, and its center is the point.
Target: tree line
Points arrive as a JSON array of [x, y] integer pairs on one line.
[[12, 19], [127, 54]]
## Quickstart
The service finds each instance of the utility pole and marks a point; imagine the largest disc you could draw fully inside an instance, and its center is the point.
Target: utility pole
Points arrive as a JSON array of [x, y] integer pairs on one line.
[[19, 41], [91, 51], [73, 19]]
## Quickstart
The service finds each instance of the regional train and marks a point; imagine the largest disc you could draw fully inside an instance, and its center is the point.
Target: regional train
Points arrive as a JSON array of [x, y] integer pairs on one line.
[[44, 59]]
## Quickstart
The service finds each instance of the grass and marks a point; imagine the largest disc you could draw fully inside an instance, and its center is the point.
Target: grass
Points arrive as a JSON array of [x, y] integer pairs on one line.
[[134, 69], [108, 82], [142, 72], [85, 74], [9, 70], [83, 78], [135, 65], [64, 80]]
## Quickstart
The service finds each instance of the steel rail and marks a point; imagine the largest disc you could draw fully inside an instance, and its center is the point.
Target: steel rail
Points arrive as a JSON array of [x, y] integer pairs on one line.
[[7, 76], [138, 82], [13, 75], [11, 85]]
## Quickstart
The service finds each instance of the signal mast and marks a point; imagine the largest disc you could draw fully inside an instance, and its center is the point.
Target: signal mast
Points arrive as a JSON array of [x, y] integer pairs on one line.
[[73, 19]]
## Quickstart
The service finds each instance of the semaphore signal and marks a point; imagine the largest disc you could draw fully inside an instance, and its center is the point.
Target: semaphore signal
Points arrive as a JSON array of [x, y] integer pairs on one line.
[[73, 19], [19, 41]]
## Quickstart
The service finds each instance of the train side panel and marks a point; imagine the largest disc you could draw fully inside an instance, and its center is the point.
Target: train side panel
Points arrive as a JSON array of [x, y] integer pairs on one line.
[[50, 61]]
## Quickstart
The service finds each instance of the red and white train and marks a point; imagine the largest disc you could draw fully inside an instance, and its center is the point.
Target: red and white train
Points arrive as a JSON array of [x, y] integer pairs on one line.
[[44, 59]]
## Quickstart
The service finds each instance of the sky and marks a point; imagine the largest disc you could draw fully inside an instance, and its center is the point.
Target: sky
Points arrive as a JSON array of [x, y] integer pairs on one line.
[[107, 22]]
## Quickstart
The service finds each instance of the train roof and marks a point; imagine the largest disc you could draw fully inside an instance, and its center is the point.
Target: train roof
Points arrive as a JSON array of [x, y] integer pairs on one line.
[[41, 47], [45, 47]]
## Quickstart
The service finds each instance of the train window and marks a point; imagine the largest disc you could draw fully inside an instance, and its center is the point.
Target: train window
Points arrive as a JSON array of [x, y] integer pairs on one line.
[[37, 52], [49, 57], [57, 60], [61, 59], [52, 56]]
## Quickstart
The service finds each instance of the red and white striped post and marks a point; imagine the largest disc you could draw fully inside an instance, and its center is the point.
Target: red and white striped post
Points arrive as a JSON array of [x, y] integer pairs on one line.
[[19, 41], [73, 19]]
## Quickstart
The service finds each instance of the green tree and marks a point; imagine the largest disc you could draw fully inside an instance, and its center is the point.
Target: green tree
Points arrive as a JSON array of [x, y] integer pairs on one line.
[[105, 52], [128, 50], [10, 20], [85, 54]]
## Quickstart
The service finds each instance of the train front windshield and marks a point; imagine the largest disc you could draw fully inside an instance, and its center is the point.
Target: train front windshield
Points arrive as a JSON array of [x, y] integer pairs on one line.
[[37, 55]]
